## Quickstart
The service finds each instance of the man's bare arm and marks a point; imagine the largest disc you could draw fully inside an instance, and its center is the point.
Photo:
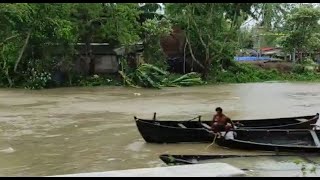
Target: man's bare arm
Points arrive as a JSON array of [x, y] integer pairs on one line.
[[229, 121], [214, 118]]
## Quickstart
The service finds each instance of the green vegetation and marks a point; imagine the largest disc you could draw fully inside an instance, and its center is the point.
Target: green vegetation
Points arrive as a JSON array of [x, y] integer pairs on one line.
[[305, 169], [211, 30], [37, 40], [243, 73], [302, 30]]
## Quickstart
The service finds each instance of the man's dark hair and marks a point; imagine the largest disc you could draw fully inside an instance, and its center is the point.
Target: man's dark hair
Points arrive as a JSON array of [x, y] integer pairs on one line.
[[219, 109]]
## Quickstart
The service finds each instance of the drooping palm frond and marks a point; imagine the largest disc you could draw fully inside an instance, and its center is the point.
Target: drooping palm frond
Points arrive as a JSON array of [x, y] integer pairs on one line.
[[184, 77], [150, 76], [127, 80], [152, 67]]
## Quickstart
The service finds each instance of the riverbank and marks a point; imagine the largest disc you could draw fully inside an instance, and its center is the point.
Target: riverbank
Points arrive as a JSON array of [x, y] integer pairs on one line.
[[246, 73], [239, 73], [150, 76]]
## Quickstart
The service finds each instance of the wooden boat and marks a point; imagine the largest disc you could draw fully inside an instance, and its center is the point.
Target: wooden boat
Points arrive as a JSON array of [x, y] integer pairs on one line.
[[278, 140], [168, 131], [171, 159], [267, 165]]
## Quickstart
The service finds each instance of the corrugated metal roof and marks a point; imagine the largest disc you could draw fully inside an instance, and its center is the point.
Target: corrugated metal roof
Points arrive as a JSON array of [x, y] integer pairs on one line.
[[248, 58]]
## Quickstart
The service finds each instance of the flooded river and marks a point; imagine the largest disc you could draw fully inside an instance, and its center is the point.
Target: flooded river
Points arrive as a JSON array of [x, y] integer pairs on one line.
[[77, 130]]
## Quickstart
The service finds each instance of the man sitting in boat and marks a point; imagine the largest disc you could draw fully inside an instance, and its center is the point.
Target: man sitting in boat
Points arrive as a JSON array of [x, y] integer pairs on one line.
[[221, 122]]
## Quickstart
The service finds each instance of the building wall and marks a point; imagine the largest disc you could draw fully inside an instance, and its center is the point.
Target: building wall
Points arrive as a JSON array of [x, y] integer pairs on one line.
[[105, 59], [106, 64], [81, 65]]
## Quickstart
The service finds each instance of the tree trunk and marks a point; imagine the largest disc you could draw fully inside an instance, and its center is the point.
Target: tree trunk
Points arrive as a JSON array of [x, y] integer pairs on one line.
[[22, 51], [92, 65], [207, 63], [294, 55], [206, 68], [184, 58], [91, 58]]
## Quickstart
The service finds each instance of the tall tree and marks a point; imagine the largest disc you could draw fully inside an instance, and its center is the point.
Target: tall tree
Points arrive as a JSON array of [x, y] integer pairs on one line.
[[302, 29], [30, 25], [211, 30], [113, 23], [271, 15]]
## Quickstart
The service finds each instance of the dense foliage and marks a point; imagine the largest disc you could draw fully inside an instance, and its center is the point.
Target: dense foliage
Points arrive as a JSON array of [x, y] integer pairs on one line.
[[211, 30], [302, 29], [38, 39]]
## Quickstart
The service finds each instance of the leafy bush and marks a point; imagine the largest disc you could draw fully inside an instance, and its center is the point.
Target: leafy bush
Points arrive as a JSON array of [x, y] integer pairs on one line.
[[242, 73], [38, 80], [298, 68]]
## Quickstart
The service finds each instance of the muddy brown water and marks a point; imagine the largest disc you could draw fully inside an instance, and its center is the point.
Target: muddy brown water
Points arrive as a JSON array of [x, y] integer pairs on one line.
[[77, 130]]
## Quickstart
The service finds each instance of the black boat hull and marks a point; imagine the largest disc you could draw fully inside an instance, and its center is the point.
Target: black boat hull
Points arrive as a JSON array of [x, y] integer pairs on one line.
[[195, 159], [154, 131], [162, 134], [274, 140]]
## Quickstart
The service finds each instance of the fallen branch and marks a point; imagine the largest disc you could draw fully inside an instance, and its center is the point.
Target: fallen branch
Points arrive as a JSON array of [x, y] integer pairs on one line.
[[9, 38], [22, 51]]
